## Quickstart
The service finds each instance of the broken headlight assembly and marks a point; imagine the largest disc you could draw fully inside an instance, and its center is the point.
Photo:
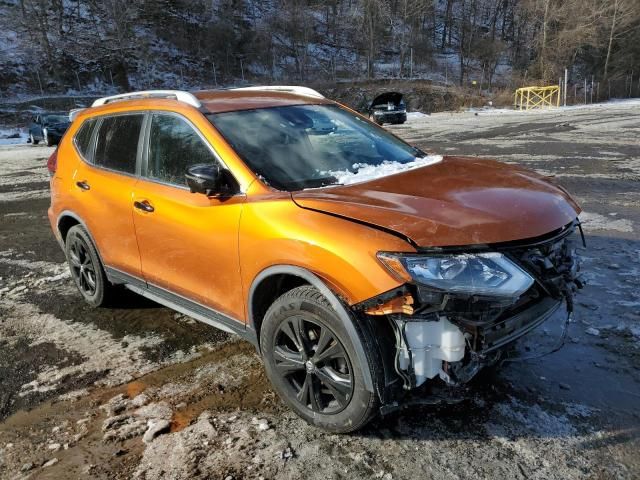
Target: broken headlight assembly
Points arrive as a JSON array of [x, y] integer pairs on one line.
[[487, 274], [457, 312]]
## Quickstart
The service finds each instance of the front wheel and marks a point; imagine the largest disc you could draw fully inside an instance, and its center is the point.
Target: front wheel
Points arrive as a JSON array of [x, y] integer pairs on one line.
[[312, 363]]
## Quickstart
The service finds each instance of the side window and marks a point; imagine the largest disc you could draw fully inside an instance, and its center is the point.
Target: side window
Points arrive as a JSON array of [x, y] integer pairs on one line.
[[173, 147], [83, 138], [117, 142]]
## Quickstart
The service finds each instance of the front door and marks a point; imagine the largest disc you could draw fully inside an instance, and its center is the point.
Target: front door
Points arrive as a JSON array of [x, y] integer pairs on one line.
[[103, 186], [188, 242]]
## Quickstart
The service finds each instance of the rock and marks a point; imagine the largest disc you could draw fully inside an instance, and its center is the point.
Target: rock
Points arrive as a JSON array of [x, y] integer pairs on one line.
[[26, 467], [160, 410], [116, 405], [261, 424], [140, 400], [287, 453], [123, 427], [565, 386], [54, 446], [156, 427], [50, 463], [592, 331]]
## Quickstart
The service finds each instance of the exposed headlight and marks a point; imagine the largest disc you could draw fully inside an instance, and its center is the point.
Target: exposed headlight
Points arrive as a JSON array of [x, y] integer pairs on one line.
[[490, 274]]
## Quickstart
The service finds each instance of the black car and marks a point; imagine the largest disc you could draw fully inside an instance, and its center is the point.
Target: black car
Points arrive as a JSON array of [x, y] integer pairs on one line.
[[48, 127], [388, 107]]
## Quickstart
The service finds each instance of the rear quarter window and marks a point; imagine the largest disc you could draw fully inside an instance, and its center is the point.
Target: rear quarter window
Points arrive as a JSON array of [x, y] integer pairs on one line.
[[117, 142], [82, 139]]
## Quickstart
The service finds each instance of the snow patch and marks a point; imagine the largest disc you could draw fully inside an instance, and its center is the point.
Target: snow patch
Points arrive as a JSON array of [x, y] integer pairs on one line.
[[518, 416], [365, 172], [595, 221]]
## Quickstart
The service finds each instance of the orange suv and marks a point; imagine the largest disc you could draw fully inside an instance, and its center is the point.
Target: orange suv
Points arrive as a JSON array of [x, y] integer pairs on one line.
[[364, 270]]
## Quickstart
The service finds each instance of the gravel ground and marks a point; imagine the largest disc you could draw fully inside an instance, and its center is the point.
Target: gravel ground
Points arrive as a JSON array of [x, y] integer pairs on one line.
[[143, 392]]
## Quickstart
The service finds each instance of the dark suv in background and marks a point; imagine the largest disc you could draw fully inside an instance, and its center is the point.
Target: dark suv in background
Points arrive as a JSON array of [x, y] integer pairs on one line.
[[388, 107], [48, 128]]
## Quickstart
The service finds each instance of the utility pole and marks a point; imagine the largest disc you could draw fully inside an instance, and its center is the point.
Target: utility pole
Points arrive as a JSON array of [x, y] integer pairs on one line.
[[585, 90], [78, 79], [565, 86], [591, 91], [215, 77], [559, 90], [242, 70]]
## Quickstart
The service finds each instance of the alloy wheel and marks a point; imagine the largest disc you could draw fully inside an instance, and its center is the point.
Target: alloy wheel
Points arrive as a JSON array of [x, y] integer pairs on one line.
[[314, 364], [82, 267]]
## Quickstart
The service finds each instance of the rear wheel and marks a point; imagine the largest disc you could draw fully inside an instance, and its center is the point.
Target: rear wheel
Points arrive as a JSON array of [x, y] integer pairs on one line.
[[86, 269], [311, 362]]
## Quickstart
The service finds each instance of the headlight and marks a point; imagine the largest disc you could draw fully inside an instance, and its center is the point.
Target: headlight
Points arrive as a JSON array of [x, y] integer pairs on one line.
[[490, 274]]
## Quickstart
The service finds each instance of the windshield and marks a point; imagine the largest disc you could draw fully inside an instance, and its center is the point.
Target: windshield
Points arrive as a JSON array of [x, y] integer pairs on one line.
[[51, 119], [308, 146]]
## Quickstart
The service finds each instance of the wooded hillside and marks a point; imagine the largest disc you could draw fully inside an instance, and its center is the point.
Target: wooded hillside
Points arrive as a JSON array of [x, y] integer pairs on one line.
[[97, 45]]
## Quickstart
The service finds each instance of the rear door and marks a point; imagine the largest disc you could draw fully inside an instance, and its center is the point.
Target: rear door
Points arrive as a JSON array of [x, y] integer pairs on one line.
[[103, 187], [188, 242]]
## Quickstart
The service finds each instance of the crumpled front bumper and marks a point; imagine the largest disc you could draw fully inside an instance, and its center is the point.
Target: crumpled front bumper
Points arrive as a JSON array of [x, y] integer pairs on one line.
[[479, 329]]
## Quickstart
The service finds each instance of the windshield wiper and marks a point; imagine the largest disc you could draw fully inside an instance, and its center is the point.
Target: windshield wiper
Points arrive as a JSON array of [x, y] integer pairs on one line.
[[312, 183]]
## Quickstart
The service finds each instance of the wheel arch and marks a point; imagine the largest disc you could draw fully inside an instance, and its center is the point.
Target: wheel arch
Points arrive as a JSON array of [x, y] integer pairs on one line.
[[262, 294], [66, 220]]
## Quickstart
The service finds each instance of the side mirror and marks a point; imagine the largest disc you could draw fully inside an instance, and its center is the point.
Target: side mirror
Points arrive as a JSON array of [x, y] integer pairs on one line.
[[210, 179]]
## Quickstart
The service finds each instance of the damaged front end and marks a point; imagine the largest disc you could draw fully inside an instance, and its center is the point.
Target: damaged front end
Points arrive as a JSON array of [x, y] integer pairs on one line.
[[461, 309]]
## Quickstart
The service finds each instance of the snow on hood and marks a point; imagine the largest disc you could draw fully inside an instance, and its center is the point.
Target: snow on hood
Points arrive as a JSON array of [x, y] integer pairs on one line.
[[365, 172]]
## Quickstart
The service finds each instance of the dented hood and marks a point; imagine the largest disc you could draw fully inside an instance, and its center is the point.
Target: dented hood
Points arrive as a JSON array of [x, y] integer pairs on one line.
[[459, 201]]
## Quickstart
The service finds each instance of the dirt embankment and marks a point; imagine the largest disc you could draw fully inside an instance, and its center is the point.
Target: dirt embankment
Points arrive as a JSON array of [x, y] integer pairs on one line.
[[419, 95]]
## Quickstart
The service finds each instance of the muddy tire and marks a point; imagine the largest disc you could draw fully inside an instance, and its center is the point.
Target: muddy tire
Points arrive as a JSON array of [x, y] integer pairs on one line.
[[86, 269], [33, 140], [312, 363]]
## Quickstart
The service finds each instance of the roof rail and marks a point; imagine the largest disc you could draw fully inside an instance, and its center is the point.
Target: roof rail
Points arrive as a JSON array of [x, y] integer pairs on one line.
[[181, 96], [309, 92]]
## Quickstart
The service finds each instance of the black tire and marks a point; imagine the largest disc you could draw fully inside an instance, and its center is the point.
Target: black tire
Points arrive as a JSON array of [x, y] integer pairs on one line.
[[86, 269], [316, 371], [372, 117], [33, 140]]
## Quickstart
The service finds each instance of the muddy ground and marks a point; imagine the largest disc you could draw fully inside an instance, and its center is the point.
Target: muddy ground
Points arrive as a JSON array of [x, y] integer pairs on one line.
[[80, 388]]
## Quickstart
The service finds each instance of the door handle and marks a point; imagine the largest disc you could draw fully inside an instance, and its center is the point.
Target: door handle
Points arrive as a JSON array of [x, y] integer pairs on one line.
[[83, 185], [144, 206]]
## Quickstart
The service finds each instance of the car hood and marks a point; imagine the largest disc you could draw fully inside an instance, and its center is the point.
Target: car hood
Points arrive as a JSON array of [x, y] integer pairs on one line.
[[386, 97], [459, 201]]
